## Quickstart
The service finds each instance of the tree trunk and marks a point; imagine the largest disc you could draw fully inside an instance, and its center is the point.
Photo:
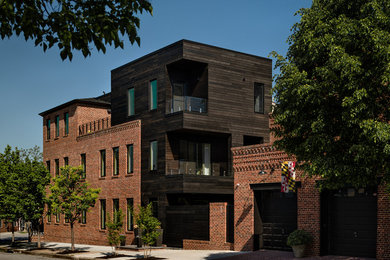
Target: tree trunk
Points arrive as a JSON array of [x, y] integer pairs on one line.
[[39, 234], [13, 234], [72, 236]]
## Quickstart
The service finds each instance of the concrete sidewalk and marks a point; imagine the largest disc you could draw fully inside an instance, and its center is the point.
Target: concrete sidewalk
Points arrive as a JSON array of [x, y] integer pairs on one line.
[[59, 250]]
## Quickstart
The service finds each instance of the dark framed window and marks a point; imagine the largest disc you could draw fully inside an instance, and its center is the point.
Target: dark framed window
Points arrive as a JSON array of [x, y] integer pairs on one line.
[[48, 214], [153, 94], [57, 217], [57, 126], [84, 217], [129, 215], [57, 169], [66, 161], [48, 129], [153, 155], [48, 165], [259, 97], [115, 209], [130, 102], [84, 165], [102, 163], [130, 158], [115, 164], [103, 214], [67, 219], [66, 123]]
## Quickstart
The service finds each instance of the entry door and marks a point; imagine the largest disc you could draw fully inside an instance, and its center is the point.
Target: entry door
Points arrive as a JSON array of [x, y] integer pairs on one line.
[[349, 222], [276, 219]]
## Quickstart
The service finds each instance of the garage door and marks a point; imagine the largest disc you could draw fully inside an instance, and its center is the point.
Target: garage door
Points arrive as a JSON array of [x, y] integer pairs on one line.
[[275, 219], [349, 222]]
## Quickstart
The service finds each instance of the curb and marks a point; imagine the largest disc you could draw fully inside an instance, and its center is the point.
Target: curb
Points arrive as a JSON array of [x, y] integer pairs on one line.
[[30, 252]]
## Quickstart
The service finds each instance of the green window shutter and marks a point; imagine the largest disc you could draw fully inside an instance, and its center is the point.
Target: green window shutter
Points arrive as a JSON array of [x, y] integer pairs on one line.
[[153, 94], [57, 126], [66, 119]]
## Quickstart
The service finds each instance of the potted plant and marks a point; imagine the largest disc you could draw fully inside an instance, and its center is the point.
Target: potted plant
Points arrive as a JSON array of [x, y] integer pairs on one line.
[[298, 239]]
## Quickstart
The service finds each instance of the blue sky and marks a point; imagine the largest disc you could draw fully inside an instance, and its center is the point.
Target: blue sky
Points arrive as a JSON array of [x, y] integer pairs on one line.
[[32, 81]]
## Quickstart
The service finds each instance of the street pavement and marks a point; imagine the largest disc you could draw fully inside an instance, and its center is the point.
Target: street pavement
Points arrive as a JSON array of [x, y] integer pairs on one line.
[[12, 256]]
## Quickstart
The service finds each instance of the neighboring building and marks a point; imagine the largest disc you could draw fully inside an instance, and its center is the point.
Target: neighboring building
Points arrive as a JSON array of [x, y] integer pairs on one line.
[[349, 222], [165, 132], [7, 226]]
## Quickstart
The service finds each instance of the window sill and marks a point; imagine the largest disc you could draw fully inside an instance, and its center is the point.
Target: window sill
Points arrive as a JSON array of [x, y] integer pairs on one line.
[[102, 230], [129, 232], [83, 225], [66, 135], [129, 174], [115, 177], [56, 138], [102, 178]]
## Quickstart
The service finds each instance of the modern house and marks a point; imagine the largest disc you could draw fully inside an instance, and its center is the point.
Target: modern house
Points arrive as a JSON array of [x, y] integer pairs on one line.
[[163, 136]]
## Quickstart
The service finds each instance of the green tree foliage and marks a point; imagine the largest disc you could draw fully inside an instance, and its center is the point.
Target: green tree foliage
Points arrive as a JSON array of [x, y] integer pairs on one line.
[[23, 179], [71, 196], [333, 94], [114, 228], [73, 24], [148, 226]]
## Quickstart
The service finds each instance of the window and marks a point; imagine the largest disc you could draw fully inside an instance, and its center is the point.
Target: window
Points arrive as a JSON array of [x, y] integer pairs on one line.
[[251, 140], [115, 209], [153, 155], [48, 165], [57, 126], [259, 97], [130, 158], [66, 161], [84, 217], [48, 129], [195, 157], [102, 163], [129, 215], [57, 217], [48, 214], [84, 165], [115, 164], [153, 94], [130, 102], [66, 123], [57, 163], [102, 214], [66, 219]]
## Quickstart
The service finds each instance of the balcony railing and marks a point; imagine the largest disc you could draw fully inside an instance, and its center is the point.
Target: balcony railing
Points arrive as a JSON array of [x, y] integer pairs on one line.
[[94, 126], [187, 103], [191, 169]]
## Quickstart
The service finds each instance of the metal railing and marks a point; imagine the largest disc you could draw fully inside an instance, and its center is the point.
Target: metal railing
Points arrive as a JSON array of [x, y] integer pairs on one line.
[[187, 103], [94, 126]]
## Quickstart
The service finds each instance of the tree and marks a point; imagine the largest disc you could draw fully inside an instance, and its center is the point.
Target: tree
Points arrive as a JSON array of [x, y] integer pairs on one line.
[[114, 227], [148, 226], [73, 24], [333, 94], [11, 208], [33, 181], [71, 196]]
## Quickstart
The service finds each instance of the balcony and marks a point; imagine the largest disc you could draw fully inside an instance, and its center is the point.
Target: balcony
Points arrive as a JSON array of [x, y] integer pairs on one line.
[[94, 126], [188, 104]]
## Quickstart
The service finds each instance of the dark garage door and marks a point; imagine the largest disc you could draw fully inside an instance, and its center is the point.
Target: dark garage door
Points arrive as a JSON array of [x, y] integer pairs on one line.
[[275, 219], [349, 222]]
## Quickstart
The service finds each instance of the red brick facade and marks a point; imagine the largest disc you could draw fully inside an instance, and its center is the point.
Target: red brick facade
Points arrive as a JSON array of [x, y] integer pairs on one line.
[[250, 160], [6, 227], [99, 135]]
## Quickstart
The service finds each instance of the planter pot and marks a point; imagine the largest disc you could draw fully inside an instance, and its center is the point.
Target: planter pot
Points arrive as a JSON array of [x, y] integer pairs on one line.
[[299, 250]]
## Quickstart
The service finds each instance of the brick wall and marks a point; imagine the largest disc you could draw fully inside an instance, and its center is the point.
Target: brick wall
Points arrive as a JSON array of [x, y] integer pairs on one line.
[[120, 187], [383, 229], [248, 161], [6, 227]]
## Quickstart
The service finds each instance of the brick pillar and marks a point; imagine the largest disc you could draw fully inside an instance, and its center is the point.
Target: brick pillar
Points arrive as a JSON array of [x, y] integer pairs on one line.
[[309, 213], [383, 227], [218, 214]]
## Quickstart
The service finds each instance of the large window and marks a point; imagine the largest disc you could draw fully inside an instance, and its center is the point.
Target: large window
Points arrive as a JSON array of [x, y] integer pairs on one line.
[[195, 158], [153, 155], [48, 214], [115, 163], [259, 97], [115, 209], [102, 163], [57, 164], [84, 165], [103, 214], [48, 166], [130, 102], [130, 158], [66, 123], [129, 215], [57, 217], [153, 94], [48, 129], [57, 126], [83, 219]]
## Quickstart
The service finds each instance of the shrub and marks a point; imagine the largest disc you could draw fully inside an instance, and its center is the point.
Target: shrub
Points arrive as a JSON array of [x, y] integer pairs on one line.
[[299, 237]]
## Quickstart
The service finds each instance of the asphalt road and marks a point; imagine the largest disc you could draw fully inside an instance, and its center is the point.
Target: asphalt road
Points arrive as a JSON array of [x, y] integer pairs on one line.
[[16, 256]]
